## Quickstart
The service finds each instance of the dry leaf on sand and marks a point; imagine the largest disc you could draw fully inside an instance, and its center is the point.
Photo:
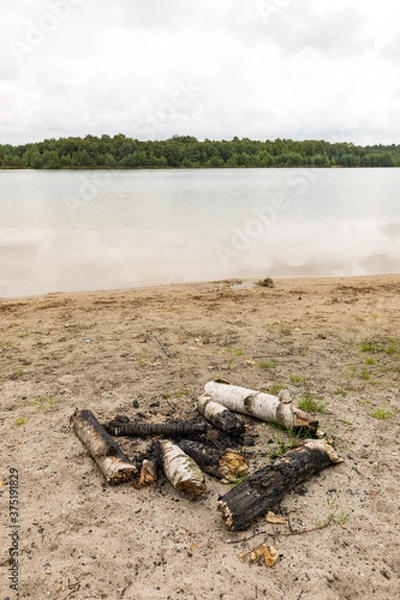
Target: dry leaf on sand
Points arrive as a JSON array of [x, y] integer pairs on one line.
[[273, 518], [269, 553]]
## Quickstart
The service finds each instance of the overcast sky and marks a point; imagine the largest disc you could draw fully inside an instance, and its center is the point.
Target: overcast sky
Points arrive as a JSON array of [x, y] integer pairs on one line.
[[325, 69]]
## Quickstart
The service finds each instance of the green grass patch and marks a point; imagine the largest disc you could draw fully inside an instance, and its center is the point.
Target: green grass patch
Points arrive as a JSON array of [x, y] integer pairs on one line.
[[20, 421], [182, 393], [275, 388], [296, 378], [340, 392], [388, 345], [45, 403], [381, 414], [266, 364], [309, 404], [368, 347]]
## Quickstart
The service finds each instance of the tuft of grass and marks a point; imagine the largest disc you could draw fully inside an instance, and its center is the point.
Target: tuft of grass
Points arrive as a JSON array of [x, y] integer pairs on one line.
[[18, 372], [340, 392], [182, 393], [389, 345], [266, 364], [309, 404], [284, 444], [341, 518], [45, 403], [285, 329], [281, 448], [239, 352], [238, 481], [369, 361], [368, 347], [20, 421], [381, 414], [352, 370], [347, 423], [296, 379], [365, 374], [275, 388]]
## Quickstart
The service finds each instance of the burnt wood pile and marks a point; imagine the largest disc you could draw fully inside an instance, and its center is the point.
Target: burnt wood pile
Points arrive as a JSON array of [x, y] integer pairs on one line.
[[184, 450]]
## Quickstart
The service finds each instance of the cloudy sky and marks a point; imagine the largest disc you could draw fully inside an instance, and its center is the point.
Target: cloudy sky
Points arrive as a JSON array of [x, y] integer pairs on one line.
[[155, 68]]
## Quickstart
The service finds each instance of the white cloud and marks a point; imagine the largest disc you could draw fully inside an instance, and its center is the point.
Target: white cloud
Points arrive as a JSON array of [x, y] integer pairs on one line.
[[311, 69]]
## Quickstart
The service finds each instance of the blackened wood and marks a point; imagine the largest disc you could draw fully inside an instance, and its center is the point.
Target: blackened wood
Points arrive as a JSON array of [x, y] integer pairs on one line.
[[263, 489], [113, 463], [220, 416], [222, 463], [172, 429]]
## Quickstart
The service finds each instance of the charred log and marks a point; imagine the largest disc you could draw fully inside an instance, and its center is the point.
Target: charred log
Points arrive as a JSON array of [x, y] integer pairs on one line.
[[222, 463], [113, 463], [263, 489], [172, 429], [220, 416]]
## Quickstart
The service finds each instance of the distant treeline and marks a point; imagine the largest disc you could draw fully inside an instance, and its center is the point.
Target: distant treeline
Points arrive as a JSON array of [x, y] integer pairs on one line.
[[186, 151]]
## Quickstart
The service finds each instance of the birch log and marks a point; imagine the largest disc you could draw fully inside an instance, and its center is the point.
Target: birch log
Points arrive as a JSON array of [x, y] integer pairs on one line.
[[220, 416], [113, 463], [260, 405], [224, 463], [181, 470], [266, 487]]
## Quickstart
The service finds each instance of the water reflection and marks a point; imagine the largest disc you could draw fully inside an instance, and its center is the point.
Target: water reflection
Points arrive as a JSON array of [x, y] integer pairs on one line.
[[162, 227]]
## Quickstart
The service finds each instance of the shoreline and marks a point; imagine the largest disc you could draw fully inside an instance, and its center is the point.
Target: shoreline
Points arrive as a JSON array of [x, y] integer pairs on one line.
[[160, 286]]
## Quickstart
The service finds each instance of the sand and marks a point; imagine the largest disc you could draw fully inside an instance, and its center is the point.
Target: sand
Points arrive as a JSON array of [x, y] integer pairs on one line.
[[147, 353]]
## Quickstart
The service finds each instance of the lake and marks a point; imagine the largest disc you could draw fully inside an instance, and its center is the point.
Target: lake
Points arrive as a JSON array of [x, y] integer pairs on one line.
[[84, 230]]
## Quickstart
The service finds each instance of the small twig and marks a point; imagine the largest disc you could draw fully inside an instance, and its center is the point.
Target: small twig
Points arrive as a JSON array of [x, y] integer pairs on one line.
[[164, 347], [74, 587], [291, 532], [189, 332]]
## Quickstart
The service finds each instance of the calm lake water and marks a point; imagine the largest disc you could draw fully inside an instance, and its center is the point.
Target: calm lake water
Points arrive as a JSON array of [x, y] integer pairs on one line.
[[82, 230]]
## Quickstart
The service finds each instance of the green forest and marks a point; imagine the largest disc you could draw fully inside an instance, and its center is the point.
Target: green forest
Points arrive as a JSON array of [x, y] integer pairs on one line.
[[121, 152]]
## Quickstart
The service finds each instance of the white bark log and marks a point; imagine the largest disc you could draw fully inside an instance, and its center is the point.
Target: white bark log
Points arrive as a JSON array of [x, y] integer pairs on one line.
[[113, 463], [182, 471], [273, 409]]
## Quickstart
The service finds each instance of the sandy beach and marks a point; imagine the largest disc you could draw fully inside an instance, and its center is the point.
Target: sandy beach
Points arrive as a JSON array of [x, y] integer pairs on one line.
[[147, 353]]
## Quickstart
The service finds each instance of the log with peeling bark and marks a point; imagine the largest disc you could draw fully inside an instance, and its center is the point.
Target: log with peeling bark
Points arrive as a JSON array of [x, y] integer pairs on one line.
[[220, 416], [113, 463], [172, 429], [225, 464], [148, 464], [274, 409], [181, 470], [263, 489]]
